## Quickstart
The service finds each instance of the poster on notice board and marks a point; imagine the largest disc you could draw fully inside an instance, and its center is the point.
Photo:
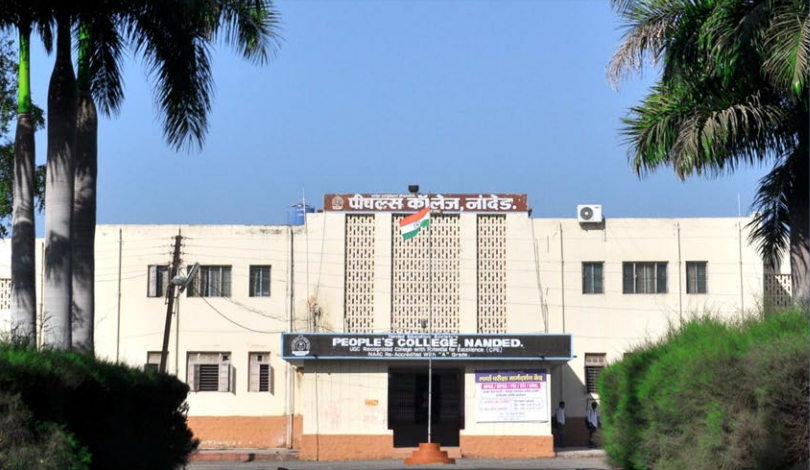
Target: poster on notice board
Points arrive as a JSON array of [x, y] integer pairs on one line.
[[511, 396]]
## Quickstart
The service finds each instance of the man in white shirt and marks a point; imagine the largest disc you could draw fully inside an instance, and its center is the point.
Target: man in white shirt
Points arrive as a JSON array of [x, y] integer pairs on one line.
[[593, 424], [561, 424]]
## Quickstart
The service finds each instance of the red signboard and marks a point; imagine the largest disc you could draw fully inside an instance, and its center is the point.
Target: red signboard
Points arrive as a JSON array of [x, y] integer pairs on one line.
[[438, 202]]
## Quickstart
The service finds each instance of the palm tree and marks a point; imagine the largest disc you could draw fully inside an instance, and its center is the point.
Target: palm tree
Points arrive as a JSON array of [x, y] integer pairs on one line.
[[732, 91], [59, 189], [174, 38], [84, 201], [23, 255], [22, 15]]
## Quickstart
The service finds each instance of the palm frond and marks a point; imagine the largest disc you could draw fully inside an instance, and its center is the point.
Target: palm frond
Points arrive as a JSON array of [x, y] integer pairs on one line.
[[787, 47], [771, 225], [696, 133], [177, 55], [106, 48], [44, 28], [251, 26], [713, 140], [650, 24]]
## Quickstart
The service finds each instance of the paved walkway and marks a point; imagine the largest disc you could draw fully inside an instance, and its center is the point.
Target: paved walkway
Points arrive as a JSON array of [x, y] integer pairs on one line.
[[567, 459]]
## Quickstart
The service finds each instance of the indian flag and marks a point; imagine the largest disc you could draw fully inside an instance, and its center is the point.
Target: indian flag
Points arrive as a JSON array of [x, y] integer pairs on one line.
[[410, 226]]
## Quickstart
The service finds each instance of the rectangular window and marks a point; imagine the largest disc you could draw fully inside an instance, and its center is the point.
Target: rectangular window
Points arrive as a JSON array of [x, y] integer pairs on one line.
[[594, 364], [644, 278], [153, 361], [592, 278], [260, 281], [261, 374], [696, 277], [211, 281], [209, 372], [158, 280]]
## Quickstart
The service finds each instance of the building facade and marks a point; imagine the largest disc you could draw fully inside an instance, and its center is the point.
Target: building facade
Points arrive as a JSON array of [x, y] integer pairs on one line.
[[483, 275]]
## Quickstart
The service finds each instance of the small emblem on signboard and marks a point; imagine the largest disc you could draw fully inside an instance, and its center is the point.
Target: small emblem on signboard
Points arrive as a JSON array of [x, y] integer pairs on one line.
[[337, 203], [300, 346]]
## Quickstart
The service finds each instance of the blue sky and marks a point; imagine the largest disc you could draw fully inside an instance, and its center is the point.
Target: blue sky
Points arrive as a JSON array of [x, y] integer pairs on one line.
[[369, 96]]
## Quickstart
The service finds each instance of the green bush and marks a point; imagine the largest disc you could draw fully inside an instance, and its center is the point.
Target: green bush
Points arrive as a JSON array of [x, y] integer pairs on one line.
[[712, 394], [125, 417], [26, 444]]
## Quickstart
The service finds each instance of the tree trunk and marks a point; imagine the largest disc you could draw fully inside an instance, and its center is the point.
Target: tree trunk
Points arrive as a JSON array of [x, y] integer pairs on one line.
[[84, 203], [23, 256], [799, 217], [59, 193]]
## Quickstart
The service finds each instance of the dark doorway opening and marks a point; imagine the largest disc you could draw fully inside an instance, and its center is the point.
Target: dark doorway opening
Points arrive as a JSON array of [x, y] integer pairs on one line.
[[408, 406]]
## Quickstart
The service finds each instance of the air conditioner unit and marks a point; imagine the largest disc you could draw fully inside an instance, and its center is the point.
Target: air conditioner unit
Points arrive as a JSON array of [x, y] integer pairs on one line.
[[589, 214]]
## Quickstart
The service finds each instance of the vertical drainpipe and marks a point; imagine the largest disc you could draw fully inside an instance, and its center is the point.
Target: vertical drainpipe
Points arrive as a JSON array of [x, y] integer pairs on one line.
[[118, 307], [290, 384], [742, 297], [680, 276], [176, 337], [562, 300], [41, 322]]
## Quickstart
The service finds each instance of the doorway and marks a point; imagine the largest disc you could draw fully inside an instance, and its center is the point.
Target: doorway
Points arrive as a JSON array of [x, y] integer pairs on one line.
[[408, 406]]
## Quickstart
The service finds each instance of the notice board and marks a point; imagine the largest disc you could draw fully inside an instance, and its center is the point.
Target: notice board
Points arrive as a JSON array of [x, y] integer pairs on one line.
[[511, 396]]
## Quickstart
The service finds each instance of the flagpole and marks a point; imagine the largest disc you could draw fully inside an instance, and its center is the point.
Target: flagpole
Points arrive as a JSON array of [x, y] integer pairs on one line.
[[430, 324]]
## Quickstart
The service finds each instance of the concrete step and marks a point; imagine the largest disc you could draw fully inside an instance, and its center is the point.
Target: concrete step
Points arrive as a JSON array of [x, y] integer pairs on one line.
[[244, 455], [405, 452]]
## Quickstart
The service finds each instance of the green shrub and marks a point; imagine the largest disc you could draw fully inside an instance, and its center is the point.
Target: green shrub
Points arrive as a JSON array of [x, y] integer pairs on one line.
[[127, 418], [712, 394], [26, 444]]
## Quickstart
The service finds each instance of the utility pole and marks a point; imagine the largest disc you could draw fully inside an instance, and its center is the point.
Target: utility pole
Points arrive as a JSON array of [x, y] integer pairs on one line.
[[170, 303]]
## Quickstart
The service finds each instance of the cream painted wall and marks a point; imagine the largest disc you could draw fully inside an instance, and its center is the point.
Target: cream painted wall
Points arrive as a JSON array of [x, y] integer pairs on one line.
[[205, 325], [346, 397]]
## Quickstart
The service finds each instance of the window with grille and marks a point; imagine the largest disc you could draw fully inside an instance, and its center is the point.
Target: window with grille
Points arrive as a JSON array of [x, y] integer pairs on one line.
[[209, 372], [594, 364], [259, 281], [208, 378], [211, 281], [592, 278], [158, 280], [261, 374], [696, 277], [153, 361], [644, 278], [5, 294]]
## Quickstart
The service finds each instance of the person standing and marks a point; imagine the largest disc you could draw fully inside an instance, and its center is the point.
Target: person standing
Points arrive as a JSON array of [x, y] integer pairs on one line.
[[561, 424], [593, 424]]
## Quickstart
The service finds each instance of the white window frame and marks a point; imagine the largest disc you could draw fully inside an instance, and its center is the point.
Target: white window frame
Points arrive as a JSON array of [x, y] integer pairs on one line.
[[225, 372], [256, 362], [255, 289], [657, 268], [153, 360], [211, 281], [597, 362], [591, 277], [158, 280], [696, 278]]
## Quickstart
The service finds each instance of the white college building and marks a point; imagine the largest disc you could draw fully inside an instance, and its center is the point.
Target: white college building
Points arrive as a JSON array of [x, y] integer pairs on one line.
[[318, 336]]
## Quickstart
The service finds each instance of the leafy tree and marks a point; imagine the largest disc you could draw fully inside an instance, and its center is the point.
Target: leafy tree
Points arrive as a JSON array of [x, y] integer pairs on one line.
[[732, 91]]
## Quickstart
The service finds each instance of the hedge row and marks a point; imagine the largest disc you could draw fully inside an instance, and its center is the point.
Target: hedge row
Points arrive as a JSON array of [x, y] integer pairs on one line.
[[124, 417], [713, 394]]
